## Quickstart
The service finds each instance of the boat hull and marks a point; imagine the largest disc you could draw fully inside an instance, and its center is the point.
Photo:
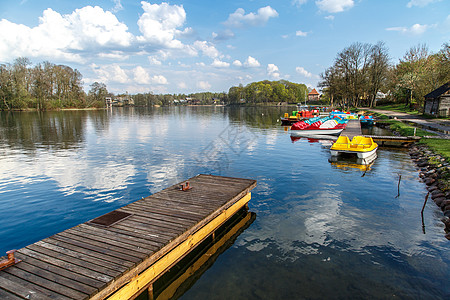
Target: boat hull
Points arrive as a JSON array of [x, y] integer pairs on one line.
[[316, 132], [359, 154]]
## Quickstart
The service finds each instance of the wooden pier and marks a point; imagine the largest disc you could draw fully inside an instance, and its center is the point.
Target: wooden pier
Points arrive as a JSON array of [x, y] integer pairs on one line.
[[120, 254], [394, 139], [352, 129]]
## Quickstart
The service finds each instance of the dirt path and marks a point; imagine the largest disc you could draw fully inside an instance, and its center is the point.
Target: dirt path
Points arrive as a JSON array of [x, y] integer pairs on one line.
[[441, 127]]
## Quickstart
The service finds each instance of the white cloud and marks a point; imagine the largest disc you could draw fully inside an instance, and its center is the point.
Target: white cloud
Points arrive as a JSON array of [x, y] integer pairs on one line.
[[272, 71], [182, 85], [154, 61], [204, 85], [110, 73], [330, 17], [240, 19], [159, 79], [207, 48], [299, 3], [251, 62], [300, 33], [118, 6], [237, 63], [141, 76], [159, 24], [223, 35], [63, 36], [303, 72], [420, 3], [334, 6], [116, 55], [416, 29], [220, 64]]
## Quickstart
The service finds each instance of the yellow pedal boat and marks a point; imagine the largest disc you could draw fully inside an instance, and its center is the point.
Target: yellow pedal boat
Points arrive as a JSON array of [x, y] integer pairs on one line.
[[362, 146]]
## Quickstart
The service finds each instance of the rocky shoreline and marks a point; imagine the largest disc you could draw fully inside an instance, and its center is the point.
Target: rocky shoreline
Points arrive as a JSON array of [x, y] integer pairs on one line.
[[434, 171]]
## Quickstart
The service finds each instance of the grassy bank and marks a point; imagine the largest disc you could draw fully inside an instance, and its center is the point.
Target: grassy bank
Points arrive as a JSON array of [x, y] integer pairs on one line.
[[439, 146], [400, 108]]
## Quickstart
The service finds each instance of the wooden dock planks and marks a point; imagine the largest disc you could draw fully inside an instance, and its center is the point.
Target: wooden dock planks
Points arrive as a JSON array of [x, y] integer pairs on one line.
[[352, 129], [90, 261]]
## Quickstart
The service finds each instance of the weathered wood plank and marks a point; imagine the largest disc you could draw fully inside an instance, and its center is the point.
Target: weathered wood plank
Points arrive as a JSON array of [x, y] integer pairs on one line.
[[83, 264], [184, 222], [154, 225], [90, 252], [57, 277], [201, 206], [45, 283], [77, 278], [131, 255], [102, 279], [188, 215], [117, 239], [26, 289], [96, 247], [151, 234], [82, 257], [152, 246], [8, 296]]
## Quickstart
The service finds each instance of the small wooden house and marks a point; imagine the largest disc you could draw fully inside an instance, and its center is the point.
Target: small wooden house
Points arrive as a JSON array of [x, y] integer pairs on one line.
[[313, 95], [437, 103]]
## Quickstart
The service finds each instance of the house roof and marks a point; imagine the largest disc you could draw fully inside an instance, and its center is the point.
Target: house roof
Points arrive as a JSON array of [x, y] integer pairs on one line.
[[439, 91], [313, 92]]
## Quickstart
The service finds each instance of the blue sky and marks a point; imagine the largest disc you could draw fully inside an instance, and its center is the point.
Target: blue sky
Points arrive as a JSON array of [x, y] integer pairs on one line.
[[193, 46]]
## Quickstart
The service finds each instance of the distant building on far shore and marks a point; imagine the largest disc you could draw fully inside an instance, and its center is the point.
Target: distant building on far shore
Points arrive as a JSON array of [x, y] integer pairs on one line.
[[313, 95]]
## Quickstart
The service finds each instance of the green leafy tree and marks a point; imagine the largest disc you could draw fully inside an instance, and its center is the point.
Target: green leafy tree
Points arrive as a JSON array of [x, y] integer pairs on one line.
[[97, 94]]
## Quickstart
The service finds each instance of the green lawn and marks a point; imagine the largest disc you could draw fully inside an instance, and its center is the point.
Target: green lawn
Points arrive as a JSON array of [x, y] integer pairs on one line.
[[406, 109], [400, 108], [440, 146]]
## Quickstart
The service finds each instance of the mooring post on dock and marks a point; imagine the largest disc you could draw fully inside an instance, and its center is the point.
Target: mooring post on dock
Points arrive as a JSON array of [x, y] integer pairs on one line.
[[10, 261]]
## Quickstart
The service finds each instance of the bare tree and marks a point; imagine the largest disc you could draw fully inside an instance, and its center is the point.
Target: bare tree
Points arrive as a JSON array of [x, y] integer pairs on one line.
[[378, 70]]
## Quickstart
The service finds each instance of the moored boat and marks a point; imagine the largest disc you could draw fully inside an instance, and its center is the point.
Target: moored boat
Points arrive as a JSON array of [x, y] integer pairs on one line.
[[366, 120], [318, 126], [297, 115], [344, 115], [363, 147]]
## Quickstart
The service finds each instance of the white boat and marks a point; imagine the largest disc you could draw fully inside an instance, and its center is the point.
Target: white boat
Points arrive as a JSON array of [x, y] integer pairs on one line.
[[317, 126], [318, 131]]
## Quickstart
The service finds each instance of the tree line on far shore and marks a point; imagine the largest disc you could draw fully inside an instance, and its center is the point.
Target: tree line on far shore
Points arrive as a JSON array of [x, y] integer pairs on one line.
[[361, 71], [359, 74]]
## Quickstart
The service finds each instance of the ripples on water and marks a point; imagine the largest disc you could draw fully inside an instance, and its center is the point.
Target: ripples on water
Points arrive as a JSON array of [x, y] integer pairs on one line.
[[320, 231]]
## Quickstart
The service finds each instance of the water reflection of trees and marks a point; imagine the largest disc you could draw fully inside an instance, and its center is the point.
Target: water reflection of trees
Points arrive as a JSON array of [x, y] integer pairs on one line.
[[259, 116], [56, 129]]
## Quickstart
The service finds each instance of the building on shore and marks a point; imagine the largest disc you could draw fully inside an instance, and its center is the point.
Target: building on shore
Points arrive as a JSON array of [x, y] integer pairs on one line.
[[437, 103], [313, 95]]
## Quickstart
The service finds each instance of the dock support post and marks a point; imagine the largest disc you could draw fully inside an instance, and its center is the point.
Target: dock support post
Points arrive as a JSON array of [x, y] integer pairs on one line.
[[150, 292]]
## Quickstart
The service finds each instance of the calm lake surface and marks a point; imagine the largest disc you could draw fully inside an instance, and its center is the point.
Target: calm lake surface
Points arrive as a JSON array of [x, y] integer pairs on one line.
[[321, 231]]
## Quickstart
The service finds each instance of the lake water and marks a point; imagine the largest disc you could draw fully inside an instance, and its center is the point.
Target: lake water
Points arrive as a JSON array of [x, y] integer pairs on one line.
[[321, 230]]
